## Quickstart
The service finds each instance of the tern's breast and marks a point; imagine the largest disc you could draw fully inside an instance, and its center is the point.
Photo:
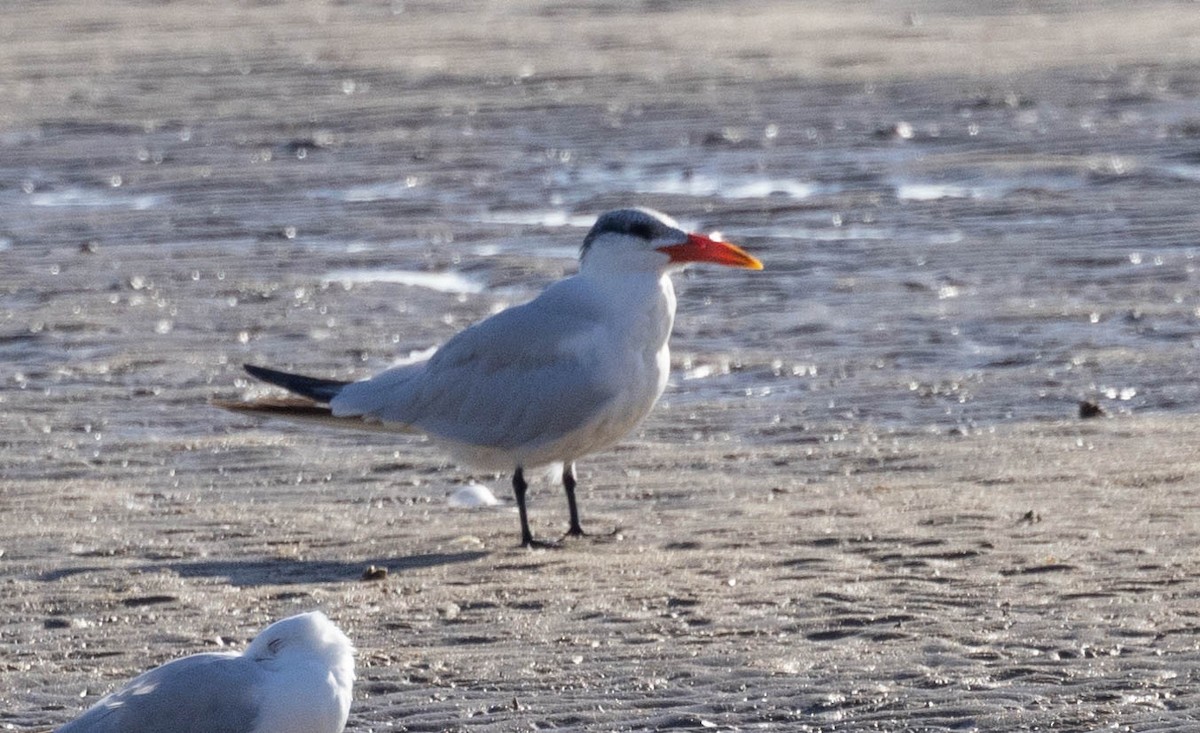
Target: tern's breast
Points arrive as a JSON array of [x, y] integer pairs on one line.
[[604, 378], [637, 361]]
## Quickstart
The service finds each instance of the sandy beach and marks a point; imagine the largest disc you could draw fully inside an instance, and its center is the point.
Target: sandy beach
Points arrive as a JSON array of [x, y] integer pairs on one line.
[[790, 542]]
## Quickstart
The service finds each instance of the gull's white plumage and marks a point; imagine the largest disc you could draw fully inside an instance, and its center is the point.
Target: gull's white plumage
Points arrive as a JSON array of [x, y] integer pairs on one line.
[[564, 375], [295, 677]]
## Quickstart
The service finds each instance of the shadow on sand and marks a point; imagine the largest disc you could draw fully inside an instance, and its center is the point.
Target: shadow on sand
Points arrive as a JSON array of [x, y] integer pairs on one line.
[[280, 571]]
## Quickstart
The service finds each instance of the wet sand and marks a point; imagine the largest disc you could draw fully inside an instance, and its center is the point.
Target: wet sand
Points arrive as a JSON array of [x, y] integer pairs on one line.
[[1041, 578], [770, 565]]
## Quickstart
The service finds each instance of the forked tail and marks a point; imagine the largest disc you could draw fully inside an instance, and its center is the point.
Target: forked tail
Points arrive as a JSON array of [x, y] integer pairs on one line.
[[311, 404]]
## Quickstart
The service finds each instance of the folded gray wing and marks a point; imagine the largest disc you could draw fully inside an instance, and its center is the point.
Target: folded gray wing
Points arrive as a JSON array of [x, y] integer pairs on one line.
[[531, 371], [204, 693]]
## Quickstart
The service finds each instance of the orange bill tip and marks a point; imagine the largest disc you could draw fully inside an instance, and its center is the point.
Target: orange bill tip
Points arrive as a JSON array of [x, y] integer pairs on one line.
[[699, 248]]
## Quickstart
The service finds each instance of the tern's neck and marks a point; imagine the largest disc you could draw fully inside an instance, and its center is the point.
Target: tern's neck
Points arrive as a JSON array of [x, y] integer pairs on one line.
[[631, 290], [641, 304]]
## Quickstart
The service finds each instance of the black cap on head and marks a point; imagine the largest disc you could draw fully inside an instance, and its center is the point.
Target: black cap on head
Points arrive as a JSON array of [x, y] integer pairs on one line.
[[644, 224]]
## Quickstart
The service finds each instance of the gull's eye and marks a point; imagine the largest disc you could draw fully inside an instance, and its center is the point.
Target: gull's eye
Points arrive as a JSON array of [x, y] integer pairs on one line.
[[275, 645]]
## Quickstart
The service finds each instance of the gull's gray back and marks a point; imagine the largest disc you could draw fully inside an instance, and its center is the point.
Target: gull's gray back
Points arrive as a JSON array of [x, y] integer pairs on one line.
[[203, 693]]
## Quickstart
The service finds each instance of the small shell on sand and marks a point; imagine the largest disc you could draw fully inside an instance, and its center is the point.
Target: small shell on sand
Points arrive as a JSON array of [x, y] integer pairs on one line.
[[472, 496]]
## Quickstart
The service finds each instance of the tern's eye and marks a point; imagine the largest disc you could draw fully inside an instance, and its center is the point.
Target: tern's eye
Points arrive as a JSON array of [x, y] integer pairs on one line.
[[642, 230]]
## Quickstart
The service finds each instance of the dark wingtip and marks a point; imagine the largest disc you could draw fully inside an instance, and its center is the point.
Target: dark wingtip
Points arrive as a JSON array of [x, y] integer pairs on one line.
[[256, 371], [315, 388]]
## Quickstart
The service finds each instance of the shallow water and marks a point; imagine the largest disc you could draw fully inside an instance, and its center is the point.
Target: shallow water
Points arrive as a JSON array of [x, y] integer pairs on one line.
[[933, 261]]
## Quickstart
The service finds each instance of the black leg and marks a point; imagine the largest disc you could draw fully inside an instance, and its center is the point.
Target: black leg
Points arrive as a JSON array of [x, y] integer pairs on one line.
[[568, 481], [519, 488]]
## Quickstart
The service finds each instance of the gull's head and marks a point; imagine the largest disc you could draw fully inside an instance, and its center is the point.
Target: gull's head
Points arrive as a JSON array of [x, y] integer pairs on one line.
[[304, 639], [307, 674], [649, 241]]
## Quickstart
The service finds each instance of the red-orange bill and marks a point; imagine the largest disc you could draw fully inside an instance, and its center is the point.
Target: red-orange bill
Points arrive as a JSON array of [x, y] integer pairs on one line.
[[700, 248]]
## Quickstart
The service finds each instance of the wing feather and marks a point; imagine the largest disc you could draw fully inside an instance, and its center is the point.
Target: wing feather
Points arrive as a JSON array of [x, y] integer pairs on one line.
[[531, 371], [203, 693]]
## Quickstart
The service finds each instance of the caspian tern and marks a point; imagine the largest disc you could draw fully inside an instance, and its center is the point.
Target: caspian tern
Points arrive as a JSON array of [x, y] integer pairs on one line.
[[295, 677], [564, 375]]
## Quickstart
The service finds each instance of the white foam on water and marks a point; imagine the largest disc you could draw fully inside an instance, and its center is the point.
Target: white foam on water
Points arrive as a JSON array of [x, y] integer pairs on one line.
[[1182, 171], [366, 193], [415, 356], [830, 233], [935, 192], [443, 282], [550, 218], [701, 184], [89, 198]]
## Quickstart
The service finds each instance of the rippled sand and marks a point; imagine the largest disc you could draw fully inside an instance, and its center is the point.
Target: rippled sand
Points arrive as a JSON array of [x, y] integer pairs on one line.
[[867, 502]]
